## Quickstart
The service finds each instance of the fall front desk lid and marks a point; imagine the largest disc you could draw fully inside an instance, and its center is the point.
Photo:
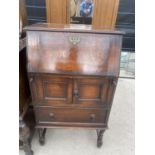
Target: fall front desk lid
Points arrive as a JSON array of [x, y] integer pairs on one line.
[[67, 49]]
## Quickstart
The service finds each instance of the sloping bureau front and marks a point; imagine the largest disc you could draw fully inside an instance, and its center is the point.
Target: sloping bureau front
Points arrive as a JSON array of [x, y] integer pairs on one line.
[[74, 52], [73, 74]]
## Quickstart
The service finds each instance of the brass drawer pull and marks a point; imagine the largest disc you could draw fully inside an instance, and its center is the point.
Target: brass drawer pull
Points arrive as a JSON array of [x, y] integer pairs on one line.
[[92, 117], [74, 40], [51, 115]]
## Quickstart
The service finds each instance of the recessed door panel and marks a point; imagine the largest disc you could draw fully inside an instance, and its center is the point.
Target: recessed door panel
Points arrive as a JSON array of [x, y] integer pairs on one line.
[[91, 91], [51, 90]]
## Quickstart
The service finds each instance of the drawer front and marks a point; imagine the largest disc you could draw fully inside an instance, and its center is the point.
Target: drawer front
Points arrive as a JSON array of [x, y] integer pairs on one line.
[[91, 91], [70, 115], [51, 90]]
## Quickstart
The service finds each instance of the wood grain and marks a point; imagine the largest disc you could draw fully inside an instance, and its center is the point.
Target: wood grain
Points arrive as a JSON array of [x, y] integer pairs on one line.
[[56, 11], [63, 56], [73, 74], [105, 13]]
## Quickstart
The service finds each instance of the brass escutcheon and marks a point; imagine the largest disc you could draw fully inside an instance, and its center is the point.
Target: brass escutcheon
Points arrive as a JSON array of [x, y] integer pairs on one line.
[[74, 40]]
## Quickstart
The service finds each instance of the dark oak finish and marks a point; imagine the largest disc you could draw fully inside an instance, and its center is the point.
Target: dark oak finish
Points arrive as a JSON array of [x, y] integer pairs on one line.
[[26, 117], [73, 74], [26, 130], [51, 90], [54, 116], [42, 132], [25, 137], [24, 92], [64, 55], [91, 91], [100, 137]]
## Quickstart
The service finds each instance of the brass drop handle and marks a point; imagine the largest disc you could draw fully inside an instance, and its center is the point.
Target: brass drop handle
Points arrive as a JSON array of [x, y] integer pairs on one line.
[[74, 40], [51, 115], [92, 117]]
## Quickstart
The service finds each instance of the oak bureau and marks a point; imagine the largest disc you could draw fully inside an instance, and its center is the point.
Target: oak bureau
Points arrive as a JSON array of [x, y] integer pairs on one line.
[[73, 72]]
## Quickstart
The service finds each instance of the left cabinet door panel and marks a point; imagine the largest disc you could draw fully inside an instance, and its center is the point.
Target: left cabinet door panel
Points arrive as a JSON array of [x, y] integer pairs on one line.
[[50, 90]]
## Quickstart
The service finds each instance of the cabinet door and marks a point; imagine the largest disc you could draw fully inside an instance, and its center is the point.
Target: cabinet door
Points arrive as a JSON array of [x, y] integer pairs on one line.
[[49, 90], [56, 11], [91, 91], [105, 14]]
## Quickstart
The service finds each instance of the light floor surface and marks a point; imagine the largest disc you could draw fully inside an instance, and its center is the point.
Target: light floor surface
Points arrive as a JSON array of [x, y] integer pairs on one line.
[[117, 140]]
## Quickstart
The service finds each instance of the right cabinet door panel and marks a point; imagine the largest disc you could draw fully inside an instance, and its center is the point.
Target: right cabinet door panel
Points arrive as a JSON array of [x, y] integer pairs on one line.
[[91, 91]]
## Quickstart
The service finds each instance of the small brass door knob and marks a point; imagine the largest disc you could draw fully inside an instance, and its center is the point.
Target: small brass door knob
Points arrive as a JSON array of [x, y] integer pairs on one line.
[[51, 115], [92, 117]]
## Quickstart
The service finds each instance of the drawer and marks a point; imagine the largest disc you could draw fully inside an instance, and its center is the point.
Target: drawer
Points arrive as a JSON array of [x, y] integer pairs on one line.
[[70, 115]]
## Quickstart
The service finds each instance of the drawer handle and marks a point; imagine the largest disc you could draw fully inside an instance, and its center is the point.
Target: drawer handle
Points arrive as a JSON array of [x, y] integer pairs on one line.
[[74, 40], [92, 117], [51, 115]]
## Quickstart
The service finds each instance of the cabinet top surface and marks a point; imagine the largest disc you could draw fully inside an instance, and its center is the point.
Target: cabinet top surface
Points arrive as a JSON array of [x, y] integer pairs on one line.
[[69, 28]]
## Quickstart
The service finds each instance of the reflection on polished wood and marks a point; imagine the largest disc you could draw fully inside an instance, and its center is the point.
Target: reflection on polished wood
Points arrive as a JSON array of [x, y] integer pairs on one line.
[[55, 53]]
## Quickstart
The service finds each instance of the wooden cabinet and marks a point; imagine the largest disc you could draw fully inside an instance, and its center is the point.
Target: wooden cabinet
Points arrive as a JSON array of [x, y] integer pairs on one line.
[[104, 14], [57, 11], [73, 74], [26, 115]]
